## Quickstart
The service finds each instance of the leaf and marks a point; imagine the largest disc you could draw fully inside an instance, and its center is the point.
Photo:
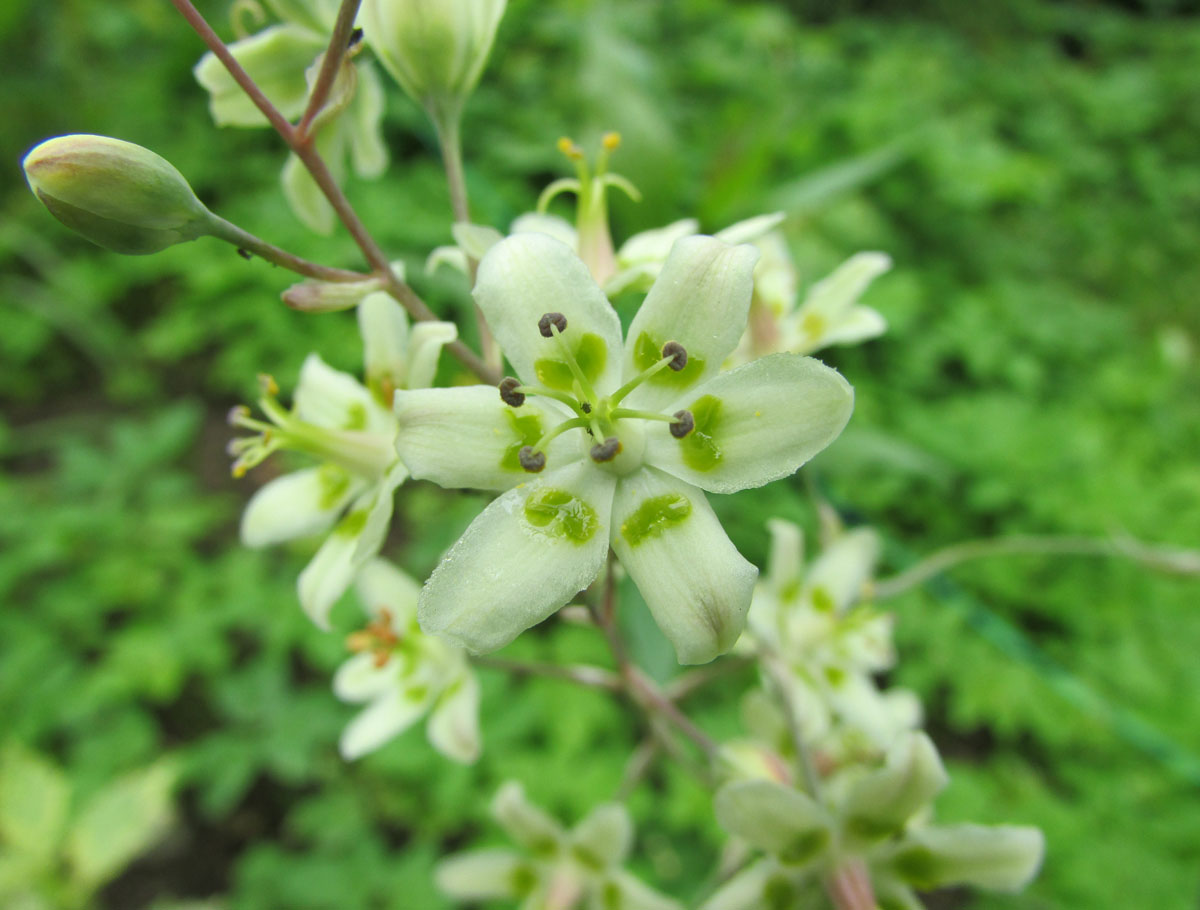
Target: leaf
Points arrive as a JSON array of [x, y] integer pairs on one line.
[[34, 795], [120, 822]]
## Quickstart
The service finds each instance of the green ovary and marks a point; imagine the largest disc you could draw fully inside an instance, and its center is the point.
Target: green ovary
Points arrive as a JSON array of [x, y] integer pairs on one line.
[[528, 430], [654, 516], [561, 514], [590, 354], [647, 352], [700, 450]]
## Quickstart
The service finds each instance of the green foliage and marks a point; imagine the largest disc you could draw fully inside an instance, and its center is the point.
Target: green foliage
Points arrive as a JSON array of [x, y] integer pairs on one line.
[[1033, 173]]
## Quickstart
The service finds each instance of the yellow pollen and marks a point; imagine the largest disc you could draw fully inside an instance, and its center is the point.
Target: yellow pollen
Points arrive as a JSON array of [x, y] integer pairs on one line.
[[611, 140], [570, 149], [758, 413], [268, 384]]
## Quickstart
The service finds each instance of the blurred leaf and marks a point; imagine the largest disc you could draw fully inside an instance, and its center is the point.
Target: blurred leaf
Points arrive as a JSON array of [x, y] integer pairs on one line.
[[34, 795]]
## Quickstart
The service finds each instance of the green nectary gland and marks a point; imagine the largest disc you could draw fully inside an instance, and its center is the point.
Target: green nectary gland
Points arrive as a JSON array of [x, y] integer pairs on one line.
[[591, 354], [334, 482], [356, 417], [528, 430], [779, 893], [647, 352], [561, 514], [700, 449], [804, 847], [352, 524], [654, 516], [917, 866]]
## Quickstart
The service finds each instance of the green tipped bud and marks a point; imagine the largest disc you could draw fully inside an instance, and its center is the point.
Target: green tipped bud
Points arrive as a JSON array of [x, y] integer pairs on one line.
[[436, 49], [115, 193]]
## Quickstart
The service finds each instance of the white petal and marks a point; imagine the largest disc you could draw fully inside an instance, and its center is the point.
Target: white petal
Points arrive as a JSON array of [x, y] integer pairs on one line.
[[751, 229], [701, 300], [276, 59], [424, 348], [475, 239], [468, 437], [528, 275], [786, 562], [382, 585], [446, 255], [529, 825], [692, 577], [637, 277], [483, 875], [335, 400], [605, 835], [356, 539], [880, 803], [860, 324], [550, 225], [1001, 858], [755, 424], [359, 679], [454, 722], [629, 893], [367, 148], [305, 198], [526, 555], [835, 580], [654, 246], [833, 296], [385, 718], [746, 890], [783, 821], [297, 505], [383, 327]]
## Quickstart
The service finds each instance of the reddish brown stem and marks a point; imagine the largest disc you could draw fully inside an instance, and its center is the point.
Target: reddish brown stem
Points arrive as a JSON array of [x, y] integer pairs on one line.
[[339, 43]]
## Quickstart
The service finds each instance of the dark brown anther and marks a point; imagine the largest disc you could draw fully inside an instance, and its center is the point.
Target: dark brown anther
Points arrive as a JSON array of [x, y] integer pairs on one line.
[[245, 253], [531, 461], [585, 407], [355, 37], [551, 321], [677, 353], [684, 424], [607, 450], [509, 394]]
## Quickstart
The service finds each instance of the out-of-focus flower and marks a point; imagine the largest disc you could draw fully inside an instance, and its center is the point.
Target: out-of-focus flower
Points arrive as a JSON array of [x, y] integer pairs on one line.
[[351, 431], [556, 869], [402, 674]]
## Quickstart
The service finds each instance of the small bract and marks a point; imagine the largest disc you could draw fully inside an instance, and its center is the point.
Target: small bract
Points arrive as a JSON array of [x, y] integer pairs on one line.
[[603, 443]]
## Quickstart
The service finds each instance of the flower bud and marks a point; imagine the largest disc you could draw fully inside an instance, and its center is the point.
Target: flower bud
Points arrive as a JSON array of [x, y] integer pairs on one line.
[[435, 49], [115, 193]]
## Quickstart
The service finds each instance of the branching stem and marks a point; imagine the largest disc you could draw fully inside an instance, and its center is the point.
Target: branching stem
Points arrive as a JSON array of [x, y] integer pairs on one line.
[[308, 155], [592, 677], [244, 240]]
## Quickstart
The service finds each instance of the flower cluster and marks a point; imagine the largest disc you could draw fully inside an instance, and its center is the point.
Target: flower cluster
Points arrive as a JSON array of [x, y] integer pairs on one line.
[[556, 868]]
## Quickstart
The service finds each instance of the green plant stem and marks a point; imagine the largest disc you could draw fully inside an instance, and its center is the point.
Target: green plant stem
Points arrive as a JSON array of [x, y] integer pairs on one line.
[[321, 175], [244, 240], [1163, 559], [777, 674], [450, 141]]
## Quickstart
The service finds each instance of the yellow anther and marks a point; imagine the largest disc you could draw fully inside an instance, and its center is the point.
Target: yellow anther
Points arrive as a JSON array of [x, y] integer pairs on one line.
[[611, 140], [268, 384], [570, 149], [238, 471]]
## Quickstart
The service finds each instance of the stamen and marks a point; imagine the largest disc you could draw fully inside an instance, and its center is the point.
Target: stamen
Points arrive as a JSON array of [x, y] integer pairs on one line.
[[585, 407], [624, 413], [566, 399], [684, 424], [611, 140], [673, 353], [237, 414], [531, 461], [570, 149], [509, 392], [677, 353], [267, 383], [607, 450], [551, 321]]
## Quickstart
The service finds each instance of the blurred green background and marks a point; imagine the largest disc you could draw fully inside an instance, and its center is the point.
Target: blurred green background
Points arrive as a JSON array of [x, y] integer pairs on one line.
[[1033, 169]]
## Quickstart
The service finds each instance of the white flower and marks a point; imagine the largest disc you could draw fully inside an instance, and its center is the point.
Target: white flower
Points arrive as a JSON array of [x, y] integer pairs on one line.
[[350, 429], [829, 645], [875, 818], [829, 315], [629, 435], [557, 869], [283, 61], [403, 674]]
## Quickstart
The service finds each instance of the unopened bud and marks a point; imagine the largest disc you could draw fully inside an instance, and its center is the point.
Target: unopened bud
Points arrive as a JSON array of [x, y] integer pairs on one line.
[[435, 49], [117, 194], [329, 296]]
